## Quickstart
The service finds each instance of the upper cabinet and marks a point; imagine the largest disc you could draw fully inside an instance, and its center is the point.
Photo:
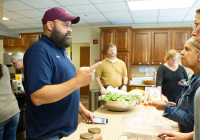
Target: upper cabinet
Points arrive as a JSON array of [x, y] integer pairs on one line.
[[30, 39], [141, 47], [179, 37], [14, 42], [120, 36], [150, 46], [161, 43], [107, 36], [22, 44]]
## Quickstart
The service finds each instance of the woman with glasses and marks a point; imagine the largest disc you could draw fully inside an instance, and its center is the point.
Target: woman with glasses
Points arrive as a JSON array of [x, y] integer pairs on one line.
[[168, 76], [9, 108], [196, 133], [183, 111], [17, 60]]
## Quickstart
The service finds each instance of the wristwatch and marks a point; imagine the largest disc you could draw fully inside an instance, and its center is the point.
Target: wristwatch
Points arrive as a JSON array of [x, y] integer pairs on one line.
[[125, 85]]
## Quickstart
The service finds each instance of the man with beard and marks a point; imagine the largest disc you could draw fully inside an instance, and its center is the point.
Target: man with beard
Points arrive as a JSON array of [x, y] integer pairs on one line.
[[112, 72], [51, 82]]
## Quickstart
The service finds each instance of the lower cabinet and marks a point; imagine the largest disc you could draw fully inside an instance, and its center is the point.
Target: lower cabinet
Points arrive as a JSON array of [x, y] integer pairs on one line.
[[136, 87]]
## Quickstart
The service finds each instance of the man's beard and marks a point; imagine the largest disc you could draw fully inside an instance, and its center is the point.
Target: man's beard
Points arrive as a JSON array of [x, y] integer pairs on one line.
[[62, 41]]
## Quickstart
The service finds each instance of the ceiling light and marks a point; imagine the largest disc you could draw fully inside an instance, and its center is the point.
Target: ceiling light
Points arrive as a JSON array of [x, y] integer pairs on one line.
[[4, 18], [159, 4]]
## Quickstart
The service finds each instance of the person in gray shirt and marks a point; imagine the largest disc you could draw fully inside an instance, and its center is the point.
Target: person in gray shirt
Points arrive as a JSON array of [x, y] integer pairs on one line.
[[9, 109]]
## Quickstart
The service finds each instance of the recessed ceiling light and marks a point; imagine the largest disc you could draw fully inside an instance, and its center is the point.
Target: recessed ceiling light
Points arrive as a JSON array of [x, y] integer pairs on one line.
[[4, 18], [159, 4]]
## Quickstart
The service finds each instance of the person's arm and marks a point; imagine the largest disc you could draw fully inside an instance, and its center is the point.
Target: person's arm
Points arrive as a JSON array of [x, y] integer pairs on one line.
[[86, 114], [125, 81], [125, 77], [177, 135], [183, 82], [185, 118], [159, 78], [102, 89], [53, 93]]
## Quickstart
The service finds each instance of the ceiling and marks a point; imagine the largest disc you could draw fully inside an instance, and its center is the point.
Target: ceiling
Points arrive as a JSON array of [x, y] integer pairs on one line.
[[27, 14]]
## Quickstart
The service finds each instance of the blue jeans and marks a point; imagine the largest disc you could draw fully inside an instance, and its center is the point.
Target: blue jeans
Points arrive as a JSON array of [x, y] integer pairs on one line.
[[8, 128]]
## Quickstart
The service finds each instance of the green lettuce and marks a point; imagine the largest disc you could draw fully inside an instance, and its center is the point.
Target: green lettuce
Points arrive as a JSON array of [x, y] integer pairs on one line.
[[118, 97]]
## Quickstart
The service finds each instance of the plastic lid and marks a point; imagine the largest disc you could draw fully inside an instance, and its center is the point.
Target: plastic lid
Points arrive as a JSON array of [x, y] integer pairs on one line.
[[94, 130], [86, 135]]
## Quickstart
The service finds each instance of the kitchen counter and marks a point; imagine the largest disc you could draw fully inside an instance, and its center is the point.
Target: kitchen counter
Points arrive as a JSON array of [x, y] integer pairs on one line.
[[142, 85], [141, 119]]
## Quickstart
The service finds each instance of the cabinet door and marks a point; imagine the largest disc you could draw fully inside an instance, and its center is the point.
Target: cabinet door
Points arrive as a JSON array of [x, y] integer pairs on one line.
[[107, 36], [30, 39], [103, 55], [141, 47], [18, 42], [122, 39], [14, 42], [160, 46], [124, 56], [179, 37], [7, 42]]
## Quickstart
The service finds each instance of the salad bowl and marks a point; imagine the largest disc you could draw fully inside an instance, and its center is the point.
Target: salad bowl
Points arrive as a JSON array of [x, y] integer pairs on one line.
[[119, 105], [118, 101]]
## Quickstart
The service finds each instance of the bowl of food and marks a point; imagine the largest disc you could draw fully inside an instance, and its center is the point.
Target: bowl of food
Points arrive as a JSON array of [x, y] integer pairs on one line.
[[149, 82], [118, 101], [118, 105]]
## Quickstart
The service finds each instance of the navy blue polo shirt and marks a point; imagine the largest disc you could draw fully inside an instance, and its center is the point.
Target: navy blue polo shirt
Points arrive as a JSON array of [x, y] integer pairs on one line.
[[45, 63]]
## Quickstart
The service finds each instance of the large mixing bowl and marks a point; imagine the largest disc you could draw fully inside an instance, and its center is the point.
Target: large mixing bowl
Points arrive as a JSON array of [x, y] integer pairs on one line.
[[119, 106]]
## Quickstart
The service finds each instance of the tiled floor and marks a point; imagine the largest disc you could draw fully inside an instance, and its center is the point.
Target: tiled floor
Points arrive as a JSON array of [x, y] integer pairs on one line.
[[85, 103]]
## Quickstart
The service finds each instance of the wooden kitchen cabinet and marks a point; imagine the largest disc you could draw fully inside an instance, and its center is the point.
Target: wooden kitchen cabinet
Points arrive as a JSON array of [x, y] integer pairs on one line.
[[22, 44], [120, 36], [30, 39], [14, 42], [150, 46], [107, 36], [141, 47], [161, 43], [179, 37]]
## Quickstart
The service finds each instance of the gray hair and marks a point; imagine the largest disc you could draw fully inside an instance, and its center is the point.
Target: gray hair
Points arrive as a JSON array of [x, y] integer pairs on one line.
[[17, 56], [194, 42]]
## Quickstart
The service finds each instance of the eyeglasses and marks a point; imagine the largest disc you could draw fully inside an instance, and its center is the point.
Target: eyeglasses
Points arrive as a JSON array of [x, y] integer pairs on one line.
[[15, 62], [194, 25]]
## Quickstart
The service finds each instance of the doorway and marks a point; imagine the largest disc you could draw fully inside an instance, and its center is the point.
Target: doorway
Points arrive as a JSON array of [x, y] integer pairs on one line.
[[84, 62]]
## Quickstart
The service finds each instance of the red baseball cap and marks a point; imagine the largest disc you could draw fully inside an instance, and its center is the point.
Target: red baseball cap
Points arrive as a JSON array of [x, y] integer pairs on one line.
[[60, 14]]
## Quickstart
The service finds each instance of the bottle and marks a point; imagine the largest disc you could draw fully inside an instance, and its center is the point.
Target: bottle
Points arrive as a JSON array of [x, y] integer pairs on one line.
[[96, 133], [86, 136], [18, 87]]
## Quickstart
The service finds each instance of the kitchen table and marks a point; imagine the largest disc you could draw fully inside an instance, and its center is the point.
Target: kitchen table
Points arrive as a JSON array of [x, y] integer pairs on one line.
[[141, 119]]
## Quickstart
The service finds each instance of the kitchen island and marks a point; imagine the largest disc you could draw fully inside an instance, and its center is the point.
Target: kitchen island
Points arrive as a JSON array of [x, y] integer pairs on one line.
[[141, 119]]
